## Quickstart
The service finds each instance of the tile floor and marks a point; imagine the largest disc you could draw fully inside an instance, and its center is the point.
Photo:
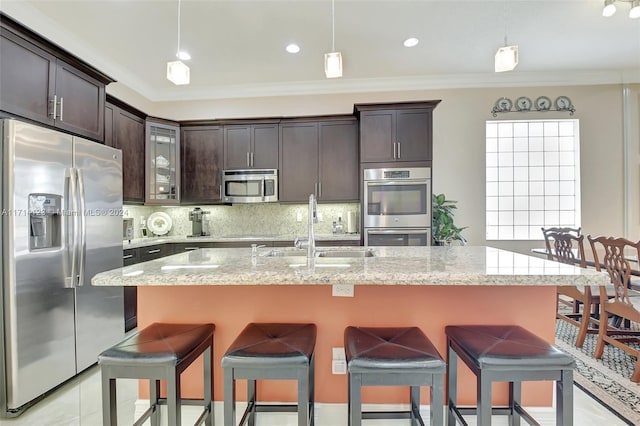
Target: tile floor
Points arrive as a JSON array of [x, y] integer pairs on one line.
[[78, 403]]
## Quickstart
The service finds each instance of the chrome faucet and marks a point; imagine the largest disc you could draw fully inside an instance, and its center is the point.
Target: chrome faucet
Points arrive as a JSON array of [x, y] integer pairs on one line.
[[310, 242], [313, 218]]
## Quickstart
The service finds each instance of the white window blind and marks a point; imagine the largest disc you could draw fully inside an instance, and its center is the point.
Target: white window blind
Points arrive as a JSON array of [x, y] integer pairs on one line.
[[532, 177]]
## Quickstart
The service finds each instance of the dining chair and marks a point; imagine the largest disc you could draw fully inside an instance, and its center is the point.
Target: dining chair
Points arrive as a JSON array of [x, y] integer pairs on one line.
[[566, 245], [610, 254]]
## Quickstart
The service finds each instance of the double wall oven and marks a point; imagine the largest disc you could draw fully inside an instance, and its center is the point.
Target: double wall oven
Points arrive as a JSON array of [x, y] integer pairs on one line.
[[397, 206]]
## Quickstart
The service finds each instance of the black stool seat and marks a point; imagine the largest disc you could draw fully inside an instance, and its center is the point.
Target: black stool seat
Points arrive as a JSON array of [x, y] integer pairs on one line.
[[507, 347], [271, 351], [393, 356], [506, 353], [272, 344], [160, 351], [159, 343]]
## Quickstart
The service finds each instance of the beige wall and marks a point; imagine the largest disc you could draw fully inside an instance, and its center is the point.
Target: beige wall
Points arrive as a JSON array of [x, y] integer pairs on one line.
[[459, 122]]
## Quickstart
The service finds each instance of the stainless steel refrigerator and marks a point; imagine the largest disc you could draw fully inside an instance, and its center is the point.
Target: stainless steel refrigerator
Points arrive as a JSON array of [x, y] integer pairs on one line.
[[61, 224]]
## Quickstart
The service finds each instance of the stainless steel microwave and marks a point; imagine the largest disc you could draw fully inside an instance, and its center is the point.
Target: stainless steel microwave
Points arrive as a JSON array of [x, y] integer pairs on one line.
[[250, 186]]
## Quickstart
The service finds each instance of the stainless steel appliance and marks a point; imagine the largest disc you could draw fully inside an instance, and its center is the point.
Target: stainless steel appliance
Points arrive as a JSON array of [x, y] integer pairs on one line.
[[397, 206], [250, 186], [198, 222], [127, 229], [62, 205]]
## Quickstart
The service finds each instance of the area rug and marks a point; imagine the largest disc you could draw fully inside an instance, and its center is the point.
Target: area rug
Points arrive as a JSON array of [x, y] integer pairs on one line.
[[606, 379]]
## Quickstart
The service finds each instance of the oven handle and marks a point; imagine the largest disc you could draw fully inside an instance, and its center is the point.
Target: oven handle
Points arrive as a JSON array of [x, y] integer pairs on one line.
[[397, 182], [398, 231]]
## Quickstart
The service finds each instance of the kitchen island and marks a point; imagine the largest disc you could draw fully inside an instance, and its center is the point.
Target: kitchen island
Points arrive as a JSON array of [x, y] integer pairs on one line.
[[428, 287]]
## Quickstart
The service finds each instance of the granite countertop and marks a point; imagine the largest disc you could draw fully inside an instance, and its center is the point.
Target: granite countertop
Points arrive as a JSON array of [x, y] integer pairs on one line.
[[150, 241], [460, 265]]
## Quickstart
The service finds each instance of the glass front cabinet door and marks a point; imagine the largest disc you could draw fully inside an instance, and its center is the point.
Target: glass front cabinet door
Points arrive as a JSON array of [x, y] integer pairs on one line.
[[163, 163]]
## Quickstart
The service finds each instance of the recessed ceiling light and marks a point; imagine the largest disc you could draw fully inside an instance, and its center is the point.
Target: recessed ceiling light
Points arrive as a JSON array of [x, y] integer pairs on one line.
[[292, 48], [411, 41]]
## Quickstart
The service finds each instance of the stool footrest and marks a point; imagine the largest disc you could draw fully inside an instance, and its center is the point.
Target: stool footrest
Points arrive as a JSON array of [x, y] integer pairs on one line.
[[369, 415], [460, 411], [271, 408]]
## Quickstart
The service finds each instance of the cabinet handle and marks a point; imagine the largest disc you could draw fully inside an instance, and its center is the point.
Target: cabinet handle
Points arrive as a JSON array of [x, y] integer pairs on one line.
[[220, 191], [394, 151], [252, 159], [319, 189], [55, 106], [399, 150], [61, 108], [153, 251], [128, 256], [191, 248], [248, 160]]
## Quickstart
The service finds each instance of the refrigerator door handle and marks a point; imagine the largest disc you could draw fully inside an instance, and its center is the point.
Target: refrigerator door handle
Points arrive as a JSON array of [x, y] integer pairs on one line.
[[82, 243], [74, 227]]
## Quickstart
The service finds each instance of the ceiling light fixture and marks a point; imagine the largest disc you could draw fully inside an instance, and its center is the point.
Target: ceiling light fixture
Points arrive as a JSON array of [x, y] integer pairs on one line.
[[292, 48], [506, 57], [411, 42], [333, 60], [177, 72], [609, 8]]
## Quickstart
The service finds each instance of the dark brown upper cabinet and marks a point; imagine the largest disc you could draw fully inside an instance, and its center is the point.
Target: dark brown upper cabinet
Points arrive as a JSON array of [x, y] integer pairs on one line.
[[202, 163], [124, 129], [318, 157], [396, 132], [43, 83], [251, 146]]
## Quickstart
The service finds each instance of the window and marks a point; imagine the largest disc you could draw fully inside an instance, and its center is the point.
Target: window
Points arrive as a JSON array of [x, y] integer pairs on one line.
[[533, 177]]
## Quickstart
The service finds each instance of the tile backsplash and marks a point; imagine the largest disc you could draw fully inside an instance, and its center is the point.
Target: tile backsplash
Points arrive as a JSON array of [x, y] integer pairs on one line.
[[261, 219]]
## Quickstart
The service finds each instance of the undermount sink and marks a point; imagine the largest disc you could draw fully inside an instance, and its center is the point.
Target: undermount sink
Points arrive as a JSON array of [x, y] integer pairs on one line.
[[346, 253], [356, 252]]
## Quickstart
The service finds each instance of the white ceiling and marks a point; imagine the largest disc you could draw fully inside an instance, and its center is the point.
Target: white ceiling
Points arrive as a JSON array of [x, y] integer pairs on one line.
[[237, 46]]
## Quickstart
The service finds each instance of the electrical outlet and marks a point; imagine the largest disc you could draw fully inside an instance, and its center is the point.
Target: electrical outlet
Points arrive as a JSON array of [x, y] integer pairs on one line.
[[342, 290], [338, 354], [298, 216], [339, 366], [320, 219]]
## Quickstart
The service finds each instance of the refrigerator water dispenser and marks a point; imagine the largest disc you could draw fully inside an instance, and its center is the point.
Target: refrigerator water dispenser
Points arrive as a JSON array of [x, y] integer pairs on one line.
[[44, 221]]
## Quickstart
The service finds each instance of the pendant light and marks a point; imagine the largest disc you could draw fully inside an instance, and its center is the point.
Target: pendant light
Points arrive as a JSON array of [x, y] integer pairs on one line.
[[177, 72], [609, 8], [333, 60], [506, 57]]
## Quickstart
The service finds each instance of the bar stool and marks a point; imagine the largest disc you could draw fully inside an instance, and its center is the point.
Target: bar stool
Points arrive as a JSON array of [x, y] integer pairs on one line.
[[506, 353], [160, 351], [278, 351], [394, 356]]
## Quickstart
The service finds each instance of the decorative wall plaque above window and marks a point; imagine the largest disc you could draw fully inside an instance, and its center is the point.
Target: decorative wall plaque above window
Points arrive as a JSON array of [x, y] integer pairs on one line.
[[541, 104]]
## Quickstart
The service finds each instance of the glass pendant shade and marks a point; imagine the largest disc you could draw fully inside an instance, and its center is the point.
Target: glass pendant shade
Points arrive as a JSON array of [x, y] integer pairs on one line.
[[333, 64], [506, 58], [634, 13], [177, 73], [609, 8]]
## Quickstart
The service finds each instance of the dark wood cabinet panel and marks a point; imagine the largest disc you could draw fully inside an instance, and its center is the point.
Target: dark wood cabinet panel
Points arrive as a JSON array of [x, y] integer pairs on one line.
[[265, 146], [27, 78], [109, 127], [413, 135], [237, 147], [41, 82], [80, 102], [202, 163], [338, 161], [298, 161], [396, 132], [125, 130], [251, 146], [377, 136]]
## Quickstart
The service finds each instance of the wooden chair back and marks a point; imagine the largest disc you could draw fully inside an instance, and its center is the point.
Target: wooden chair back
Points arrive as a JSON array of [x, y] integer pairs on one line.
[[560, 244], [609, 253]]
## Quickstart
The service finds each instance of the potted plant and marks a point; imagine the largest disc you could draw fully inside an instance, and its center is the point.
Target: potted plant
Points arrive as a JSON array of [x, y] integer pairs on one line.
[[443, 229]]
